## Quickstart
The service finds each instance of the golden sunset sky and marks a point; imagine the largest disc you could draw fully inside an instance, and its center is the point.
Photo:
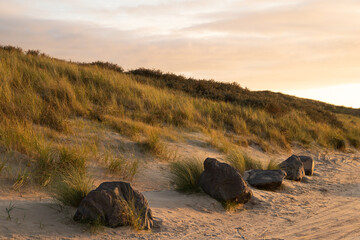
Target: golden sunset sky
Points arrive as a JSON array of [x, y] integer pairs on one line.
[[308, 48]]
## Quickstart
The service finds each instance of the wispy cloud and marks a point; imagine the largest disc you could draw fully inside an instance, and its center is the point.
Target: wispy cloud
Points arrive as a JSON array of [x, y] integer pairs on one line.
[[277, 45]]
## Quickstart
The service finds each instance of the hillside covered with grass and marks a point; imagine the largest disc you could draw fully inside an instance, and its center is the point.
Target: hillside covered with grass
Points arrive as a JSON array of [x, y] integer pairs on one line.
[[43, 102], [36, 89]]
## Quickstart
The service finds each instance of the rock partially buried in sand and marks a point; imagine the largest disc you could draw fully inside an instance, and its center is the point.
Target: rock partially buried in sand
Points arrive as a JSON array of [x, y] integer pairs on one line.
[[266, 179], [115, 204], [293, 167], [223, 182], [308, 163]]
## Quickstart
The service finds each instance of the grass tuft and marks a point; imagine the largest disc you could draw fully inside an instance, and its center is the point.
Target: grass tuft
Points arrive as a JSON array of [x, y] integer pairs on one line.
[[131, 213], [45, 166], [9, 209], [272, 165], [119, 165], [22, 178], [242, 162], [230, 206], [154, 145], [50, 118], [219, 141], [72, 187], [71, 158], [337, 143], [185, 174]]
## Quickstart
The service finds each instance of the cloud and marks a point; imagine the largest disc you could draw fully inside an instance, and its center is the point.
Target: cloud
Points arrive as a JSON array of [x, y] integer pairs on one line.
[[279, 46]]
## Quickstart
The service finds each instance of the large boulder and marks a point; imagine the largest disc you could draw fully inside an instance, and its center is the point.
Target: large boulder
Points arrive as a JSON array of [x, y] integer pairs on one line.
[[115, 204], [293, 167], [266, 179], [308, 163], [223, 182]]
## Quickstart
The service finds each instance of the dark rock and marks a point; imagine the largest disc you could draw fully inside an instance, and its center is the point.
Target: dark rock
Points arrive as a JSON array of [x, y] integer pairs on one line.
[[223, 182], [293, 167], [115, 204], [266, 179], [308, 163]]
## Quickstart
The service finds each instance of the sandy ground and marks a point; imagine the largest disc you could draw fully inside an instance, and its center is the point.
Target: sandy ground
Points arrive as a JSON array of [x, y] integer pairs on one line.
[[323, 206]]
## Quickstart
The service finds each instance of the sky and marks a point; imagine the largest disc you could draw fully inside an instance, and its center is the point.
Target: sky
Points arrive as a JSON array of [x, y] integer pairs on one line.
[[307, 48]]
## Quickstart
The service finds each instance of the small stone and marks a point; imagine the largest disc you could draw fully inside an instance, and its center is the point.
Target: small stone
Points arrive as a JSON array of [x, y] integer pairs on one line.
[[308, 163], [266, 179], [293, 167]]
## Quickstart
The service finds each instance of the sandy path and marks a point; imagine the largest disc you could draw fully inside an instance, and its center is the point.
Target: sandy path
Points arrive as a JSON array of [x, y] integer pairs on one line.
[[325, 206]]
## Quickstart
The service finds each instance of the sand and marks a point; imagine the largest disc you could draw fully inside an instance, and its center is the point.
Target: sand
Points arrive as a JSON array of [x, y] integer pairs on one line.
[[323, 206]]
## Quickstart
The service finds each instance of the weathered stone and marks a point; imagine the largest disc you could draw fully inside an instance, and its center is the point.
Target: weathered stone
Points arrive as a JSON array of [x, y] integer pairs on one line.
[[115, 204], [223, 182], [308, 163], [293, 167], [266, 179]]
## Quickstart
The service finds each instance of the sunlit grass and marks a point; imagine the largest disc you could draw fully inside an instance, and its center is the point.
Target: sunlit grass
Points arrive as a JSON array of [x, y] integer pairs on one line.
[[124, 168], [219, 141], [47, 91], [154, 145], [71, 187], [242, 162]]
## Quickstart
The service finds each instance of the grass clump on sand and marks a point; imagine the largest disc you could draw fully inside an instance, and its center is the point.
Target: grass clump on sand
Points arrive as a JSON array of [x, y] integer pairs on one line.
[[242, 162], [22, 178], [120, 166], [71, 158], [154, 145], [54, 160], [126, 127], [185, 174], [71, 187], [272, 165], [230, 206], [131, 213], [219, 141]]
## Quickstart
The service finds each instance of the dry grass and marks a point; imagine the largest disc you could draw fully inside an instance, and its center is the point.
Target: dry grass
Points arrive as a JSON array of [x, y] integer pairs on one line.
[[219, 141], [185, 174], [230, 206], [242, 162], [120, 166], [272, 165], [71, 187], [46, 91], [131, 213], [126, 127], [22, 177], [154, 145]]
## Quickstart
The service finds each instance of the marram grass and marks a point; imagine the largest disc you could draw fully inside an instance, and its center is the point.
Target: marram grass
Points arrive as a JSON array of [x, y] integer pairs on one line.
[[185, 174], [71, 187], [242, 162]]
